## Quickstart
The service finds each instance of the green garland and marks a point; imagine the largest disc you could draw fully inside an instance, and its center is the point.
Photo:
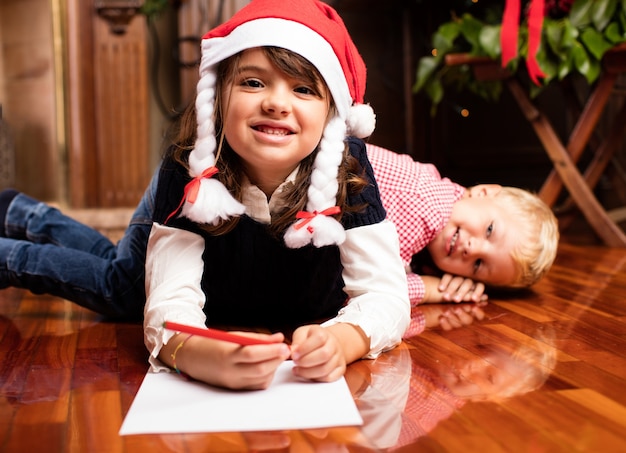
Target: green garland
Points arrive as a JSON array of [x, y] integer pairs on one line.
[[573, 44], [152, 8]]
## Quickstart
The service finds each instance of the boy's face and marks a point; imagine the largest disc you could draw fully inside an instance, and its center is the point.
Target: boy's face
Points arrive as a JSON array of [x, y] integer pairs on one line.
[[478, 239]]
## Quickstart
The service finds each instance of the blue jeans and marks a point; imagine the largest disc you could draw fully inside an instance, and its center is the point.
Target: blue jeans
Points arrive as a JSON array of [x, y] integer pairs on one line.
[[45, 251]]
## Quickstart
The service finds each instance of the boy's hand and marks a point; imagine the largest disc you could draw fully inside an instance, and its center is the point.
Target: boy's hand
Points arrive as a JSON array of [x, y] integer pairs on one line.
[[452, 288], [451, 317], [317, 354]]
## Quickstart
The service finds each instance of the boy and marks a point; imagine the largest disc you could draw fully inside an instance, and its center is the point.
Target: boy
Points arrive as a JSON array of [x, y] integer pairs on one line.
[[482, 235]]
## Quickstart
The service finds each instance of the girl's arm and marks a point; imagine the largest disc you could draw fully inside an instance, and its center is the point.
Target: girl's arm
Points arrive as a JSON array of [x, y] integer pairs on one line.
[[377, 313], [322, 353], [174, 269], [375, 281], [226, 364]]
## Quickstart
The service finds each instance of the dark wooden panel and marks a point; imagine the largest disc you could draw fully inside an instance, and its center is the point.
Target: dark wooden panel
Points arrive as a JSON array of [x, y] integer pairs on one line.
[[108, 98]]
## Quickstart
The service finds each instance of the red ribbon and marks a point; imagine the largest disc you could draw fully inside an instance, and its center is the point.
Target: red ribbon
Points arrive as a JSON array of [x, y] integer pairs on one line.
[[510, 30], [535, 23], [306, 216], [192, 188]]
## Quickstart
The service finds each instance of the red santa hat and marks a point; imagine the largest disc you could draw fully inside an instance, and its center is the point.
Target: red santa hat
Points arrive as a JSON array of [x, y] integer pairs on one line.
[[315, 31]]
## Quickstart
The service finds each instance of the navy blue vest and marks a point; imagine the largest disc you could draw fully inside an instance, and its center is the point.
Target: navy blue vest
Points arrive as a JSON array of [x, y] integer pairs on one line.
[[252, 279]]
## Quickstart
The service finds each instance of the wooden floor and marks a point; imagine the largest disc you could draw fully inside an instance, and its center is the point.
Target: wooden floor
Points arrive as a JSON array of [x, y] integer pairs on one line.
[[545, 372]]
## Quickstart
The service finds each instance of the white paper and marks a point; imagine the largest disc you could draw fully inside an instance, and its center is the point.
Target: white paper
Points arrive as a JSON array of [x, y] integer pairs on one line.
[[167, 403]]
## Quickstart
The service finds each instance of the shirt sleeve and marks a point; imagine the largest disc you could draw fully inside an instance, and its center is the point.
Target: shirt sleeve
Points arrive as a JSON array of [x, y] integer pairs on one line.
[[417, 289], [417, 199], [174, 269], [418, 323], [375, 281]]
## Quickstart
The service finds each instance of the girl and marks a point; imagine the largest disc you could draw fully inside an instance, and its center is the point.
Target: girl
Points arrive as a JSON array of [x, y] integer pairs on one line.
[[266, 216]]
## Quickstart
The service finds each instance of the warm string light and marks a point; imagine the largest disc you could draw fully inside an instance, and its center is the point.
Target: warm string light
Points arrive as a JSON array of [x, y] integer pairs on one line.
[[461, 111]]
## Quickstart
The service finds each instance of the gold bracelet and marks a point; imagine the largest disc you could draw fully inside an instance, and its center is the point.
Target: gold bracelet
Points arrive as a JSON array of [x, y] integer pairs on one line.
[[173, 355]]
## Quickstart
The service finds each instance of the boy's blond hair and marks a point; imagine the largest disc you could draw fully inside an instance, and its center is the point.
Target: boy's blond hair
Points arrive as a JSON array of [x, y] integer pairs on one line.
[[536, 252]]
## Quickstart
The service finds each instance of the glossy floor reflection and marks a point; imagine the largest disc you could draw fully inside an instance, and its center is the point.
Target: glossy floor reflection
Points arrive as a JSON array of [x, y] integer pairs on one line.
[[546, 371]]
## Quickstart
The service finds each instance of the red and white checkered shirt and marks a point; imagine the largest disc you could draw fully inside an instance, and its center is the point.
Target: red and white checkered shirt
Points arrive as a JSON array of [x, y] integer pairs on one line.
[[418, 201]]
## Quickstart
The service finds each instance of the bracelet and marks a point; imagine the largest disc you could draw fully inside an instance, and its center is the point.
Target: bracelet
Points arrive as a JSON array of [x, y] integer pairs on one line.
[[173, 355]]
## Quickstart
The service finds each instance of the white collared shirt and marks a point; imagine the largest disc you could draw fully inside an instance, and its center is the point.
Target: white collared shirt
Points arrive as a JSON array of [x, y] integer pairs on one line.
[[374, 278]]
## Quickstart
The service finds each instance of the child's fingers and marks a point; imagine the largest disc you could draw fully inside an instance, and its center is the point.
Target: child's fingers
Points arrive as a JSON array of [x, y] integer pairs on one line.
[[451, 290], [469, 291], [446, 323], [315, 369], [262, 352], [243, 367], [460, 316], [255, 375], [445, 281], [478, 292], [308, 340], [451, 320], [478, 312], [316, 354], [464, 291], [319, 367]]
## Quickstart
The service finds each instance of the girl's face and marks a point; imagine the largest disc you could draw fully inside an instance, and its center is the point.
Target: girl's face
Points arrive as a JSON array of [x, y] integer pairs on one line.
[[271, 120], [478, 240]]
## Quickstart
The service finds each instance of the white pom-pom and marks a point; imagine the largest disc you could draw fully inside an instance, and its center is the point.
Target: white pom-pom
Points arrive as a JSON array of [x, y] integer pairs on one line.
[[214, 202], [361, 120], [321, 231], [296, 238], [327, 231]]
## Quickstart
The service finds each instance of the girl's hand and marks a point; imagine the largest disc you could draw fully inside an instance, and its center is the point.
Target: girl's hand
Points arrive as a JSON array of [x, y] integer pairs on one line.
[[317, 354], [461, 289], [230, 365]]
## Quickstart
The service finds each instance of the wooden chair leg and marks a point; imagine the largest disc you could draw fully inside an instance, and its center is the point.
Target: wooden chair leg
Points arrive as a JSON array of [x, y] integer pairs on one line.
[[595, 214], [581, 133], [603, 153]]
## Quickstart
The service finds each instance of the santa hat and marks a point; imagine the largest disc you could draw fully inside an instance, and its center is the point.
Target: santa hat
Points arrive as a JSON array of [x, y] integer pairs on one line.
[[315, 31]]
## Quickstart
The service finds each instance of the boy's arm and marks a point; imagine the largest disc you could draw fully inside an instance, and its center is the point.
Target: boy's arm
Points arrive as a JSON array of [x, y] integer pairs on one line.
[[452, 288], [443, 315], [417, 289]]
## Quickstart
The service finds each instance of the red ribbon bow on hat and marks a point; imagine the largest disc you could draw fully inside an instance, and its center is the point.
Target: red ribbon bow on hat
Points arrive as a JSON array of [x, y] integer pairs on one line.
[[510, 30]]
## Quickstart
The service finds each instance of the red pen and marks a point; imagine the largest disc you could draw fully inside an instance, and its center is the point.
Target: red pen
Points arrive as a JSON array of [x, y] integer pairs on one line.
[[216, 334]]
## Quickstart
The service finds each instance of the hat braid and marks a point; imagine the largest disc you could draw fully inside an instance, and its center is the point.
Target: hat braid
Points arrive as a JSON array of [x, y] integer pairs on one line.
[[213, 201], [319, 227]]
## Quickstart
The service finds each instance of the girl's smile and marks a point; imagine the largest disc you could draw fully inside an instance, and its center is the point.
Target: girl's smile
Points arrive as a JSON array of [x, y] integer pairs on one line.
[[273, 130]]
